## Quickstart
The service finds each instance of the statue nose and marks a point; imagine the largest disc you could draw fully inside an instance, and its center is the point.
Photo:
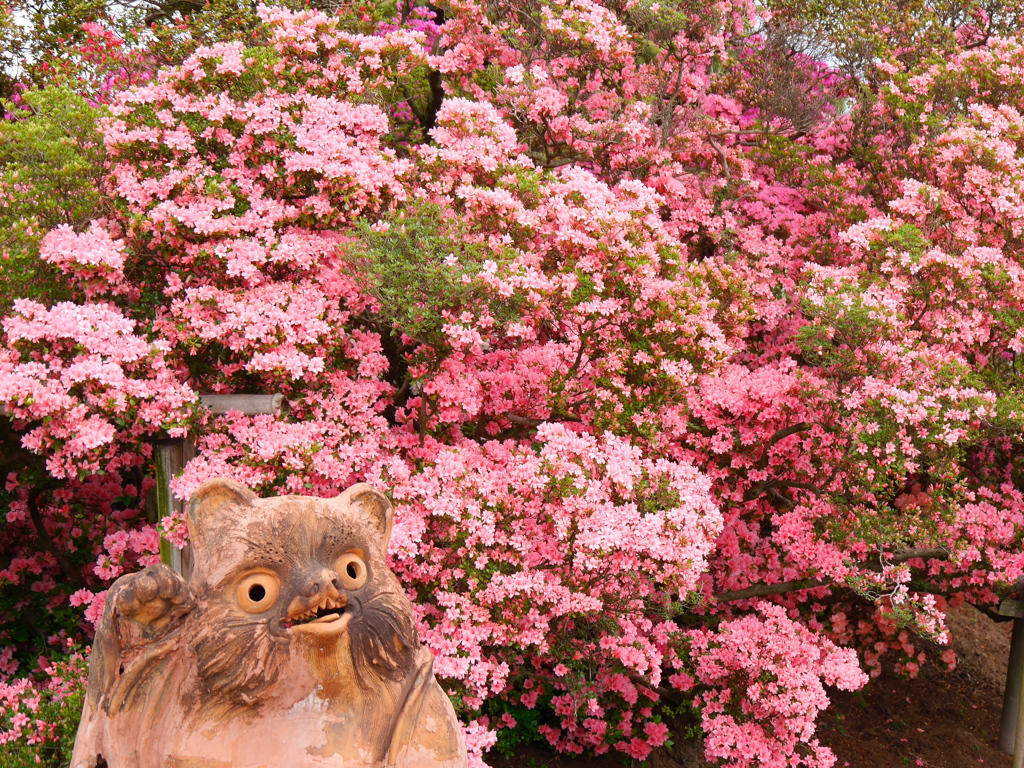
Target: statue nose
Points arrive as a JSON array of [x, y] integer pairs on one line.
[[320, 581]]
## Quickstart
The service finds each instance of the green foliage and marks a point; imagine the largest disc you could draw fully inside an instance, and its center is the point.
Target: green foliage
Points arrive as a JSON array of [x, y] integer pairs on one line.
[[30, 615], [51, 171], [60, 708], [50, 42], [841, 327], [208, 21], [424, 271], [527, 721], [46, 28], [857, 33]]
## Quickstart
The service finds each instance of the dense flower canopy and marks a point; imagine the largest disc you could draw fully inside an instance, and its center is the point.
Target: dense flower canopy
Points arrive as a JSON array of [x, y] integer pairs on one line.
[[689, 358]]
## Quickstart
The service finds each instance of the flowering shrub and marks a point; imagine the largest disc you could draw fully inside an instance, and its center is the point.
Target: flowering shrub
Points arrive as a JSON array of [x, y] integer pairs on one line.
[[89, 383], [688, 400], [519, 556], [38, 721], [779, 666]]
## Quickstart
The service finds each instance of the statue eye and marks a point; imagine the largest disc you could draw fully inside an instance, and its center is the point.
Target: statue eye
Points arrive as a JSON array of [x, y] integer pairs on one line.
[[352, 570], [258, 592]]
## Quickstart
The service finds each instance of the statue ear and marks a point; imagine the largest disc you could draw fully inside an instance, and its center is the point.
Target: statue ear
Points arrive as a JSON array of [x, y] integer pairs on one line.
[[209, 498], [374, 505]]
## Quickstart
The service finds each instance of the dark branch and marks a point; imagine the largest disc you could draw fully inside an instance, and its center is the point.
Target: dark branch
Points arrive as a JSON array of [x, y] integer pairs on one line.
[[992, 613], [758, 488], [924, 553], [721, 156], [782, 434], [665, 693], [895, 558], [766, 590], [47, 542]]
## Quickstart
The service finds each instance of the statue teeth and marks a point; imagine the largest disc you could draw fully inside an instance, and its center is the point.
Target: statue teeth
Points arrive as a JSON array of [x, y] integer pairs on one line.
[[327, 603]]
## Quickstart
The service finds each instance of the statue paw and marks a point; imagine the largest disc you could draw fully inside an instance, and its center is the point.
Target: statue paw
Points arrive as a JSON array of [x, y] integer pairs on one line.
[[152, 598]]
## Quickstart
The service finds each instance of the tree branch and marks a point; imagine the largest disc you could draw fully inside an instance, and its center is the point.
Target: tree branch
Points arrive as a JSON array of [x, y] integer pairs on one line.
[[663, 692], [797, 585], [523, 421], [925, 553], [766, 590], [721, 154], [992, 614], [758, 488], [782, 434], [47, 542]]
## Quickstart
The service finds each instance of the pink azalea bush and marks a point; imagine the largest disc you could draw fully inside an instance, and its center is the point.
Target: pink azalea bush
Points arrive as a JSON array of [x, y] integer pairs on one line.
[[89, 382], [765, 674], [37, 721], [689, 401], [518, 556]]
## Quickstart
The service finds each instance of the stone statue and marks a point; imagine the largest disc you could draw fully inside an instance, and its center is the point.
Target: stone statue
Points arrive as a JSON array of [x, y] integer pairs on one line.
[[293, 645]]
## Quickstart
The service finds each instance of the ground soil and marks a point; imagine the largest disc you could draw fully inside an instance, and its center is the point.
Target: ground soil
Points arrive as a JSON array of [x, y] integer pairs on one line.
[[937, 720]]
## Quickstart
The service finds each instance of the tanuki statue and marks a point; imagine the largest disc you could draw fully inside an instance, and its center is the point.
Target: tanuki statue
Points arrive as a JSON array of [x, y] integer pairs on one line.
[[292, 646]]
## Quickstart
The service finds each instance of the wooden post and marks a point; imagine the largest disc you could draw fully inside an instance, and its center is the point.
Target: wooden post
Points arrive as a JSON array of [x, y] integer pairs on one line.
[[250, 405], [170, 457], [1011, 732]]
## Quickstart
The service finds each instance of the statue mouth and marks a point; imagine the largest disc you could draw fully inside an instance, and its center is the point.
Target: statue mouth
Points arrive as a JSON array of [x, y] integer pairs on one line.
[[328, 617]]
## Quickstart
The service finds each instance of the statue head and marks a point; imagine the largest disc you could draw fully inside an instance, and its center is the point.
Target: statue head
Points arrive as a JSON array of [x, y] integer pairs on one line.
[[294, 575]]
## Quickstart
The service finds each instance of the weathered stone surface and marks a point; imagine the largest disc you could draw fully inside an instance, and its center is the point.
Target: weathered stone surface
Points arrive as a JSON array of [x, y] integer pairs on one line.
[[293, 645]]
